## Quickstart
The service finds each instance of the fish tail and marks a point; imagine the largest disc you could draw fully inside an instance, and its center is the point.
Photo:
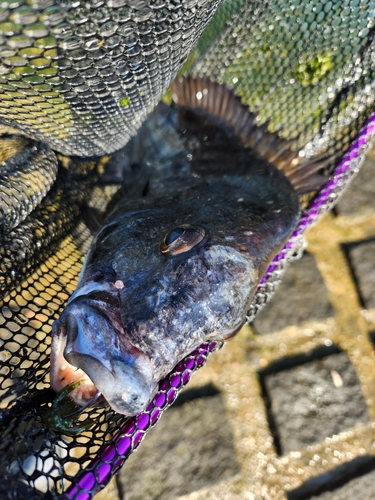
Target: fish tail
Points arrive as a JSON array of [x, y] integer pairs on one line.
[[220, 102]]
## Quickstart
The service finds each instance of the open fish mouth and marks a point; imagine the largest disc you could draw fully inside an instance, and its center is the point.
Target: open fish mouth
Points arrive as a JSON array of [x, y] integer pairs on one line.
[[89, 345], [63, 373]]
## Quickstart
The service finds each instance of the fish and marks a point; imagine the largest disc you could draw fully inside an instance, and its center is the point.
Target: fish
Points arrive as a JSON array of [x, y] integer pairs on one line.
[[183, 246]]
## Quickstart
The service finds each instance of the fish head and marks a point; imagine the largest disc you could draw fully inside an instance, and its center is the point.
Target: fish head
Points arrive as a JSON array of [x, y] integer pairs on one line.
[[122, 328], [158, 281]]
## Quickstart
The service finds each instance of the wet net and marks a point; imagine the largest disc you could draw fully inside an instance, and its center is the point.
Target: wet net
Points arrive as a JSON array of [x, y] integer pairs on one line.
[[77, 79]]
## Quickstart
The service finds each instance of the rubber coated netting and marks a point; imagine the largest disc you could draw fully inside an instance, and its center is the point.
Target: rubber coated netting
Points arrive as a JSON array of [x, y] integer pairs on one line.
[[77, 78]]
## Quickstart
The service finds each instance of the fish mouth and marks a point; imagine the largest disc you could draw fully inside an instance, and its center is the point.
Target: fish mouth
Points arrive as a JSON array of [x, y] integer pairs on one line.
[[63, 373], [89, 345]]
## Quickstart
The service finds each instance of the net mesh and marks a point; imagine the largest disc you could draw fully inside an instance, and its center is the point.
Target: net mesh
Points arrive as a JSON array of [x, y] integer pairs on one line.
[[81, 77]]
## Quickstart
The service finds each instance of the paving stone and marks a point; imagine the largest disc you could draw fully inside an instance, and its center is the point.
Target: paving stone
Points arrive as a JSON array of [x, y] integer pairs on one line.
[[301, 296], [362, 259], [359, 197], [190, 448], [307, 403]]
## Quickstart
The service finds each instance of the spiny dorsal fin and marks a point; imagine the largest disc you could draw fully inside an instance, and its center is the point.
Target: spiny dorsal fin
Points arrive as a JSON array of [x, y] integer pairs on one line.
[[220, 102]]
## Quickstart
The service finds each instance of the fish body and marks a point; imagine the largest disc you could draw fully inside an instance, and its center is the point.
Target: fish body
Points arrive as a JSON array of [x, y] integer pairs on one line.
[[176, 266]]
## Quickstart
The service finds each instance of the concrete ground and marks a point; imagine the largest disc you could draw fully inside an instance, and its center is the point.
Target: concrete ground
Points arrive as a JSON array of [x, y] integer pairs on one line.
[[285, 411]]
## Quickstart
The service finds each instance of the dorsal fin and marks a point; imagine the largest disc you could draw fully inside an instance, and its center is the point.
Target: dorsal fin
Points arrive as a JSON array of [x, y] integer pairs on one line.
[[219, 101]]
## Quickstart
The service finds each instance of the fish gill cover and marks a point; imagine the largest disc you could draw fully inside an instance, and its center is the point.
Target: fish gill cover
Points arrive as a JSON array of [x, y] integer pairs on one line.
[[77, 79]]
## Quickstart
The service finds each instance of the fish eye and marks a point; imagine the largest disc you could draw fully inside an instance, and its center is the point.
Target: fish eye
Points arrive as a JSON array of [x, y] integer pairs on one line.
[[181, 239], [173, 235]]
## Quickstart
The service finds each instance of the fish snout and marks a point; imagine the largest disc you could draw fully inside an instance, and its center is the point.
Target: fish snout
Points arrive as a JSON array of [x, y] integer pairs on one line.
[[91, 346]]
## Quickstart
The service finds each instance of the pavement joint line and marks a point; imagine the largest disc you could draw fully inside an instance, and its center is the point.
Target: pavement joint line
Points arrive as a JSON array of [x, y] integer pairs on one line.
[[352, 331], [369, 315], [294, 340]]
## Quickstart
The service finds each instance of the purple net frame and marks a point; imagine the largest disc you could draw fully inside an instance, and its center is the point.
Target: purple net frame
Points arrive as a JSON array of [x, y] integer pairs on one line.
[[113, 454]]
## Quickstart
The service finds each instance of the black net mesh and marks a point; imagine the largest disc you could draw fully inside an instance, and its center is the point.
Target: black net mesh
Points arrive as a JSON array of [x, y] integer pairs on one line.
[[81, 77]]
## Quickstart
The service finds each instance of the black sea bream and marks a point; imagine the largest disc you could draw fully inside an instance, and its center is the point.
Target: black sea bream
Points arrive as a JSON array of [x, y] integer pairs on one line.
[[178, 262]]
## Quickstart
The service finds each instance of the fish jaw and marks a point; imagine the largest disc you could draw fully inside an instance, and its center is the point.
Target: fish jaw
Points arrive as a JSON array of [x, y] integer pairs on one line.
[[89, 345]]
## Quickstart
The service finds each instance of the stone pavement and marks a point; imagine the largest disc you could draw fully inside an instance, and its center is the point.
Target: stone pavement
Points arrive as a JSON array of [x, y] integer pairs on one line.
[[285, 411]]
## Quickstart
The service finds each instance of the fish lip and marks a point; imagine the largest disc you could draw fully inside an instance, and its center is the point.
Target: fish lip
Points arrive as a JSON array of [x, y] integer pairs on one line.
[[62, 373], [89, 343]]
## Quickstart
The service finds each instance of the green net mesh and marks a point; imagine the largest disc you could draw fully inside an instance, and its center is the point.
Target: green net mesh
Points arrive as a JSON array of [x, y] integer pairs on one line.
[[80, 77]]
